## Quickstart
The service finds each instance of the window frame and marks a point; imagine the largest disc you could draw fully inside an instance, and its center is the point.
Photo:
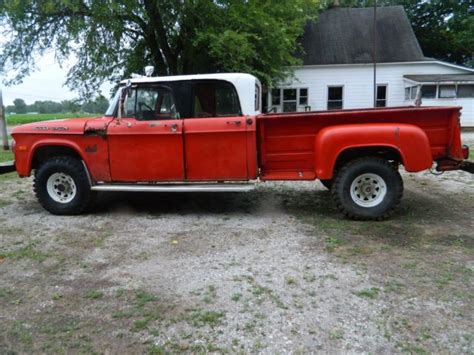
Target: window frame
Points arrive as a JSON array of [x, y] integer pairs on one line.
[[464, 97], [386, 95], [447, 97], [283, 101], [342, 97], [305, 96], [195, 83], [161, 89]]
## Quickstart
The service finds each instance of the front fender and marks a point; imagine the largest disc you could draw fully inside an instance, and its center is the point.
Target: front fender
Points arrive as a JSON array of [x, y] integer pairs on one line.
[[24, 158], [410, 141]]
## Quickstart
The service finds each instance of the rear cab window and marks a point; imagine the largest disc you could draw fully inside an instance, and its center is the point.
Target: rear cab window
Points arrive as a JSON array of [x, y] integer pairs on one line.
[[215, 99]]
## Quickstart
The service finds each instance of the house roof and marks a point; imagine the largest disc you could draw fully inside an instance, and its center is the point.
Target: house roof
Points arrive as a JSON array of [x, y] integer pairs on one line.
[[345, 36], [441, 78]]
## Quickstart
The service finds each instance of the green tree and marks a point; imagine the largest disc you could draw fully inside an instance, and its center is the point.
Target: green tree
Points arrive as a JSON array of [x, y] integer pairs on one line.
[[20, 106], [115, 38]]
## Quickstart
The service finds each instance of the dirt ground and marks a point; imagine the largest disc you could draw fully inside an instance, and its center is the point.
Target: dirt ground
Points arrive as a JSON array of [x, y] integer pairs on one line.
[[276, 270]]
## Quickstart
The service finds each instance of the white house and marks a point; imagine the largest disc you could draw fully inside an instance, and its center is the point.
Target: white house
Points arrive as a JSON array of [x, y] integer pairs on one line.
[[338, 70]]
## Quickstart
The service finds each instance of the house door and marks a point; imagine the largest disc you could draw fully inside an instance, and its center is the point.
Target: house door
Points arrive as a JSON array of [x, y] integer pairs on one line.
[[147, 143]]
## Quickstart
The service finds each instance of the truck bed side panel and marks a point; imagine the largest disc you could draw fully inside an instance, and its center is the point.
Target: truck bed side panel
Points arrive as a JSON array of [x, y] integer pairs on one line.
[[287, 141]]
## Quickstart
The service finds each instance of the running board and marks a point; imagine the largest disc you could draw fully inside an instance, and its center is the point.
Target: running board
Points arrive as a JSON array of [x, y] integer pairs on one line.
[[175, 188]]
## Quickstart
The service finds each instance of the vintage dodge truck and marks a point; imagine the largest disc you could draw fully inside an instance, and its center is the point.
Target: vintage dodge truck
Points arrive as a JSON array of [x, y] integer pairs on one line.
[[207, 133]]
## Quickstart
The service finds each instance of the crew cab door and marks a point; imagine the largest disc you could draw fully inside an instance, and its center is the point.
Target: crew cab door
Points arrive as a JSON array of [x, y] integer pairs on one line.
[[216, 136], [147, 143]]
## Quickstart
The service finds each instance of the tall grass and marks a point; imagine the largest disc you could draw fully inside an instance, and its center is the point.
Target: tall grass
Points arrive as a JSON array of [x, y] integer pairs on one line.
[[16, 119]]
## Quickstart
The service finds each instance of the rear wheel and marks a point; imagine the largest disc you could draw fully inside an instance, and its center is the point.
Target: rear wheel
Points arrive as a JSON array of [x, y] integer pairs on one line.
[[62, 186], [367, 189]]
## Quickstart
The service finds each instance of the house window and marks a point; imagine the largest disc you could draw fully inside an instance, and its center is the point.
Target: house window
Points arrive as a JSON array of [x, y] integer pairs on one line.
[[335, 97], [381, 95], [414, 91], [303, 97], [407, 94], [447, 91], [428, 91], [289, 100], [276, 98], [465, 91]]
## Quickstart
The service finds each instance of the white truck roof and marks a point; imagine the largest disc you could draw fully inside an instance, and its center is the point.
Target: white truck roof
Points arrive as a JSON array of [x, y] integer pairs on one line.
[[245, 84]]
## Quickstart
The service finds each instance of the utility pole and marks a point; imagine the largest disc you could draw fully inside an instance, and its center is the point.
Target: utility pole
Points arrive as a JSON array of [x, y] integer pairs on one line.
[[374, 52], [3, 124]]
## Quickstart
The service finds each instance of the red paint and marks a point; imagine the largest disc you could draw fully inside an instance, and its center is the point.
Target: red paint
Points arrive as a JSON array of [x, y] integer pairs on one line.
[[296, 146], [146, 150]]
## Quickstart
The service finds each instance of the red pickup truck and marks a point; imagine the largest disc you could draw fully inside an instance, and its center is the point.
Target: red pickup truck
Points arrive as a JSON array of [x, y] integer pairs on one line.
[[207, 133]]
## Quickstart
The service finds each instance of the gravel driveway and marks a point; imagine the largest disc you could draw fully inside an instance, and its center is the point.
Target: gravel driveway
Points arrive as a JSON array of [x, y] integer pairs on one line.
[[276, 270]]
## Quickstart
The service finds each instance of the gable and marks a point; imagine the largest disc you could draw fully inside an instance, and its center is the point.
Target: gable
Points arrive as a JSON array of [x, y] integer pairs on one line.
[[345, 36]]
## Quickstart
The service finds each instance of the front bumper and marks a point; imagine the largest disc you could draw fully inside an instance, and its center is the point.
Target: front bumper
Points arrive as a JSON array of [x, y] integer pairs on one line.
[[7, 167]]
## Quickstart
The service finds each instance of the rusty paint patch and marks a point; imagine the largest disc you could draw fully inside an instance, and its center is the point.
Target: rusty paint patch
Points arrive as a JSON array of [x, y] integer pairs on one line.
[[91, 149]]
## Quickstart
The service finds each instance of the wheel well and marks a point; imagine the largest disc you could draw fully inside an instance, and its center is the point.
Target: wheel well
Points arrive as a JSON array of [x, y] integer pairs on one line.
[[388, 153], [44, 153]]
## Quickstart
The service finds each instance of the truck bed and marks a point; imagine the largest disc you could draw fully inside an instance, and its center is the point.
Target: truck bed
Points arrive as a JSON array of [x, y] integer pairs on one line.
[[286, 141]]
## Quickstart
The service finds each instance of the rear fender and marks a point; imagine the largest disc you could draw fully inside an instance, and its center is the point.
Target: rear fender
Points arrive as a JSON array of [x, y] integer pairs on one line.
[[410, 141]]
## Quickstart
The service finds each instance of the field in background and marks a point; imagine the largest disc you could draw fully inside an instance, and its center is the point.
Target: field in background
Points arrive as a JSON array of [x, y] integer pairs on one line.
[[36, 117]]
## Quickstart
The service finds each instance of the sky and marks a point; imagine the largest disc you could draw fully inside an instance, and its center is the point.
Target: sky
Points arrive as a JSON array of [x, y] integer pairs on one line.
[[47, 83]]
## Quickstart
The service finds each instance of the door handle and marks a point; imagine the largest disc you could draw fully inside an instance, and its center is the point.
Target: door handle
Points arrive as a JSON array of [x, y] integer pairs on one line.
[[174, 127], [237, 123]]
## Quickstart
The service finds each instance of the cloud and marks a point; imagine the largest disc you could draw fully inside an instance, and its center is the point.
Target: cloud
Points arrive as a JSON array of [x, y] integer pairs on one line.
[[47, 83]]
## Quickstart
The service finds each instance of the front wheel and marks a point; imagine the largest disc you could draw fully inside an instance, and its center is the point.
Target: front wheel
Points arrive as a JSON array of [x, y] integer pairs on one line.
[[367, 189], [62, 186]]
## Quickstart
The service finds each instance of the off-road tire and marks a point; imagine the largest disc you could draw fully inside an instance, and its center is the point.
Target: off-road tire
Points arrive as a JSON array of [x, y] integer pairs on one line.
[[72, 167], [346, 176], [326, 183]]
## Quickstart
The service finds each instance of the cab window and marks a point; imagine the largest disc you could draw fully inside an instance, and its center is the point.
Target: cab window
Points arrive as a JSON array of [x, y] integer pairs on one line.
[[150, 103], [215, 99]]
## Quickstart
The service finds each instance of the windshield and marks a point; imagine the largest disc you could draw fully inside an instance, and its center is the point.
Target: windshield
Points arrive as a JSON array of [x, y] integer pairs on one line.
[[113, 103]]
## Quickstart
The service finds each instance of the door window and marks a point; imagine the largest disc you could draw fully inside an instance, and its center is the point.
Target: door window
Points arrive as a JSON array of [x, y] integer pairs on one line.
[[216, 99], [148, 103]]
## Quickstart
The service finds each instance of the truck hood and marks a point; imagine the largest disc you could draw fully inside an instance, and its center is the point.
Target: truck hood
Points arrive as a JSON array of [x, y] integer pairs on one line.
[[66, 126]]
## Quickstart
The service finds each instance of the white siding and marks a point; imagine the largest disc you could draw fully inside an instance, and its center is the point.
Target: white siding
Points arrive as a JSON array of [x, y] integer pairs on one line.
[[358, 85]]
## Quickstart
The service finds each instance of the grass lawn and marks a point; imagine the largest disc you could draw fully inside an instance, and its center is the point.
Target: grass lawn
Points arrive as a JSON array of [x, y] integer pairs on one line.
[[5, 155], [36, 117]]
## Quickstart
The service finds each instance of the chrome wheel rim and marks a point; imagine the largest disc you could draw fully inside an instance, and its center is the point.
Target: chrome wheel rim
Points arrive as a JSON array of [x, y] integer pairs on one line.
[[61, 188], [368, 190]]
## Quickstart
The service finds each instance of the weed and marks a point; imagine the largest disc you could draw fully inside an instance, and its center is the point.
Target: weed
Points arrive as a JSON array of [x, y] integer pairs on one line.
[[27, 252], [94, 295], [332, 243], [142, 298], [336, 334], [201, 318], [140, 324], [156, 350], [56, 296], [371, 293], [291, 281], [236, 297]]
